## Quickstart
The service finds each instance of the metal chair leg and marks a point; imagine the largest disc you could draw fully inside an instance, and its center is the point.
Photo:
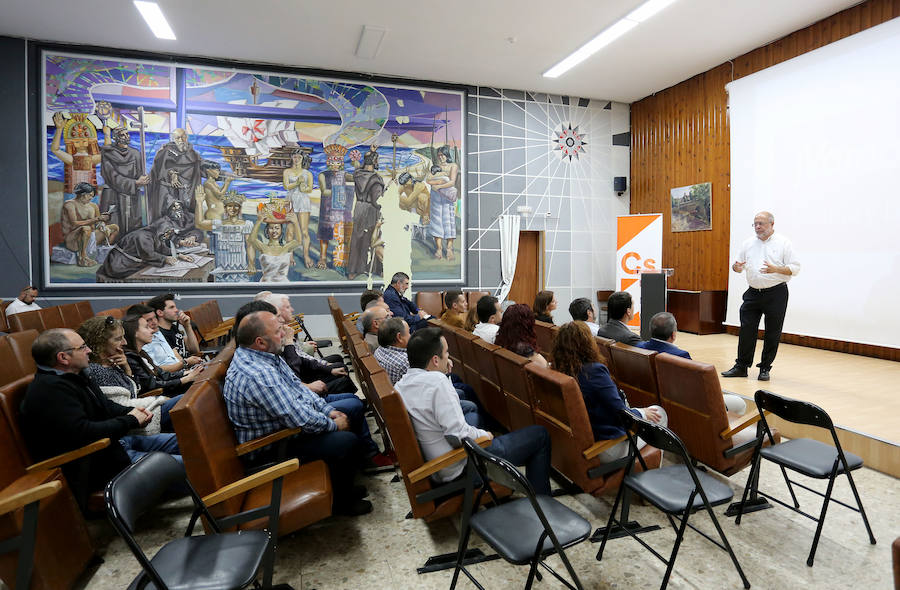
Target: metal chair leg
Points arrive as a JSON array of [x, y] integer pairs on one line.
[[821, 522], [671, 563], [862, 510]]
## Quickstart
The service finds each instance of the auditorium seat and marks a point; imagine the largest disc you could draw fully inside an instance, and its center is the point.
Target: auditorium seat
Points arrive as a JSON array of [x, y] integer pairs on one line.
[[474, 296], [493, 398], [71, 318], [4, 325], [27, 320], [469, 368], [15, 356], [212, 460], [115, 312], [603, 345], [85, 311], [431, 301], [635, 374], [690, 393], [546, 334], [52, 317], [516, 390]]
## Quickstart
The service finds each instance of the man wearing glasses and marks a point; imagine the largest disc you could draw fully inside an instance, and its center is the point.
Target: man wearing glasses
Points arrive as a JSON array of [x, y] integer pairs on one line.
[[64, 410], [768, 261]]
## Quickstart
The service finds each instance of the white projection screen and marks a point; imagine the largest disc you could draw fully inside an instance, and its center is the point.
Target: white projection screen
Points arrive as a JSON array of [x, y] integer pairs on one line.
[[816, 141]]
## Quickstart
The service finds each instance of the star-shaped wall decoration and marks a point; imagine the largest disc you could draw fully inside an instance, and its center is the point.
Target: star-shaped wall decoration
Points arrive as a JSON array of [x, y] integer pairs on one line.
[[570, 142]]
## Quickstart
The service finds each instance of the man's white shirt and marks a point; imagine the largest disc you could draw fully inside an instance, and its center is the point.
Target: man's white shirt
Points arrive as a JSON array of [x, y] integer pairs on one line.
[[486, 332], [777, 250]]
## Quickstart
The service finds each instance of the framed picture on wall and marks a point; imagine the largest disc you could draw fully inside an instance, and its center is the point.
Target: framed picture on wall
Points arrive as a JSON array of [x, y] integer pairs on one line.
[[177, 173], [692, 207]]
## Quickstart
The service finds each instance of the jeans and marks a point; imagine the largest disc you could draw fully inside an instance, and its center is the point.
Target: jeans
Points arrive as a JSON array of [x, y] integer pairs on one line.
[[470, 413], [529, 446], [351, 405], [137, 446]]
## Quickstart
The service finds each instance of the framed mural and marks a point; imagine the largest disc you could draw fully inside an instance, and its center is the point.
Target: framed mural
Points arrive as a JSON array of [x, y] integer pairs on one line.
[[692, 207], [162, 172]]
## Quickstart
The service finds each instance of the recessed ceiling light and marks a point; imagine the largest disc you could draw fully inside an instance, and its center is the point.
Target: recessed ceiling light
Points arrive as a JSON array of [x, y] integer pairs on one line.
[[370, 41], [607, 36], [155, 19]]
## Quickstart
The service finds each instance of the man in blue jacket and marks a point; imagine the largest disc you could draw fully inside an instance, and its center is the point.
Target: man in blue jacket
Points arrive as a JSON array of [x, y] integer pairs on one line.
[[662, 334], [402, 307]]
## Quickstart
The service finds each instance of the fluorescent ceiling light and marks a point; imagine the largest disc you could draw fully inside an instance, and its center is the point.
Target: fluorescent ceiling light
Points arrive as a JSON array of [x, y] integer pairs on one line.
[[607, 36], [155, 19]]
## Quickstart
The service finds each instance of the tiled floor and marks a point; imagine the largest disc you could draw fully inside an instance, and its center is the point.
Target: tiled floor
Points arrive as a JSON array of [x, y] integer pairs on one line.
[[383, 549]]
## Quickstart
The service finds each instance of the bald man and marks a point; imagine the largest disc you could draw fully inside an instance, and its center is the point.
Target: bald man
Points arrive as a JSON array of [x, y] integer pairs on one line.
[[768, 261]]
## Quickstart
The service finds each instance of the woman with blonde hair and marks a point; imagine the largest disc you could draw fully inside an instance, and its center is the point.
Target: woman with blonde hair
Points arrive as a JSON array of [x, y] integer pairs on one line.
[[575, 353]]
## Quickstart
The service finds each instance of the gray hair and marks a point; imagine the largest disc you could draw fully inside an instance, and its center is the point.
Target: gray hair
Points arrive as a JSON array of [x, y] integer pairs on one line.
[[663, 325], [399, 276], [389, 330], [49, 344]]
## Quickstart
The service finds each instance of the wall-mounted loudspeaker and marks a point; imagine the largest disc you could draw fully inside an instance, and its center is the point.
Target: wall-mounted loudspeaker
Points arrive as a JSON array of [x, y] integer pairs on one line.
[[620, 184]]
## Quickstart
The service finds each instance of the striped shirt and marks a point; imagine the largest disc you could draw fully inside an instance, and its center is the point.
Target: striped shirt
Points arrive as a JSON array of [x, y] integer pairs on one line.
[[394, 360], [263, 395]]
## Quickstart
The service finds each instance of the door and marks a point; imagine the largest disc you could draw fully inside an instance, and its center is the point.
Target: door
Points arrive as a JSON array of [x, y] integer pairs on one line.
[[529, 277]]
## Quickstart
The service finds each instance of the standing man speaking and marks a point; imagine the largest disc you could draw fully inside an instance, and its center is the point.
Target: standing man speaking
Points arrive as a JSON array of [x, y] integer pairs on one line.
[[769, 262]]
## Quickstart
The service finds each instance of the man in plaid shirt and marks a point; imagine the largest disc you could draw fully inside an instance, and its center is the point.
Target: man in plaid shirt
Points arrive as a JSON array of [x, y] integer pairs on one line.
[[263, 395]]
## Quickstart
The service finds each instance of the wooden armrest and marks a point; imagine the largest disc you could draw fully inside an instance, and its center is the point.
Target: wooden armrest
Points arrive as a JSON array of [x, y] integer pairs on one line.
[[264, 441], [214, 333], [28, 496], [446, 460], [604, 445], [251, 481], [298, 317], [152, 392], [741, 422], [352, 316], [70, 456]]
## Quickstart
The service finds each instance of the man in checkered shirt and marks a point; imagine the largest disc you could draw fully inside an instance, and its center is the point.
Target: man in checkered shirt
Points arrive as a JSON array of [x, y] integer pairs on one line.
[[263, 395]]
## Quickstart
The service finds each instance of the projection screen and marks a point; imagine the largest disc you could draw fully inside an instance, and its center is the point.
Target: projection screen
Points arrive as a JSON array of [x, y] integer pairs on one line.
[[816, 141]]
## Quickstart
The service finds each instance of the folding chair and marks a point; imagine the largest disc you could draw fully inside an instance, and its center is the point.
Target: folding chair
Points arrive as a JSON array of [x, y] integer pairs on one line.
[[525, 530], [676, 490], [221, 561], [26, 541], [805, 456]]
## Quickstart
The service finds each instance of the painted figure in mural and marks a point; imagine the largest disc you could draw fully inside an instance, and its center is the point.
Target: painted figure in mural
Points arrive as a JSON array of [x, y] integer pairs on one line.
[[369, 188], [442, 226], [174, 177], [213, 193], [274, 256], [228, 238], [298, 182], [335, 206], [414, 195], [122, 167], [81, 154], [150, 245], [83, 226]]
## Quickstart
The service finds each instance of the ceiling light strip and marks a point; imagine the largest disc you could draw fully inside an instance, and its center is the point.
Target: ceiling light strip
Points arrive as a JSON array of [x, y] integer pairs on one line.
[[155, 19]]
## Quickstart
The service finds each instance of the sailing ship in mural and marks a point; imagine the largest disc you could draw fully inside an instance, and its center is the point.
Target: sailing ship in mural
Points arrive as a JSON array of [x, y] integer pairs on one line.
[[206, 175]]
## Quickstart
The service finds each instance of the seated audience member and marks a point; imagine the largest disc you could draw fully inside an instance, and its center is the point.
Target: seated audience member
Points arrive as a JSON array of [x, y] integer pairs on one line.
[[324, 376], [544, 304], [457, 307], [109, 370], [435, 412], [369, 299], [263, 395], [583, 311], [489, 316], [393, 336], [24, 302], [402, 307], [516, 333], [471, 319], [663, 329], [159, 349], [286, 312], [620, 310], [575, 353], [175, 327], [144, 370], [371, 321], [63, 410]]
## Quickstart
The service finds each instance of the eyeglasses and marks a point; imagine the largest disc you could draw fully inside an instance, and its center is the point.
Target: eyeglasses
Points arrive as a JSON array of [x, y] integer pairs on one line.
[[82, 347]]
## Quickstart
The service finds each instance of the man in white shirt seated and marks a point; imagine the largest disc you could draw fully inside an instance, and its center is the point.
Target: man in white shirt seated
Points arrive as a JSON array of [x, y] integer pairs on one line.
[[24, 302], [489, 316], [434, 411], [582, 310]]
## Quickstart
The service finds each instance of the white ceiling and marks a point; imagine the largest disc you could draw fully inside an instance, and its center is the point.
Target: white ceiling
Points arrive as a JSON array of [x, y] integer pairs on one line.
[[504, 44]]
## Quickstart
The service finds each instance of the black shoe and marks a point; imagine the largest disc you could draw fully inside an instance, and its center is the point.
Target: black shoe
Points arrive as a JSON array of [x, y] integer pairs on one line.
[[763, 375], [352, 508], [359, 492], [735, 371]]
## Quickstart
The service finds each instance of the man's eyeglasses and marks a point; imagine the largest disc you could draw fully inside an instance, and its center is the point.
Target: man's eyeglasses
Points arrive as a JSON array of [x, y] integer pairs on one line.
[[82, 347]]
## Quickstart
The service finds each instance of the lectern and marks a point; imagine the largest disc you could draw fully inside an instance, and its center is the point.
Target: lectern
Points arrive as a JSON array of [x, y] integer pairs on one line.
[[653, 296]]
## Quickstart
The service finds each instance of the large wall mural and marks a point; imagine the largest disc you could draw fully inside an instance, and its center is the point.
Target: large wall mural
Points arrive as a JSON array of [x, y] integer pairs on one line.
[[171, 173]]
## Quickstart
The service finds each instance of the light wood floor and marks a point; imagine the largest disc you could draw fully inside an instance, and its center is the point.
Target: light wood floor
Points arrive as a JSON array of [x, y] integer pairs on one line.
[[860, 394]]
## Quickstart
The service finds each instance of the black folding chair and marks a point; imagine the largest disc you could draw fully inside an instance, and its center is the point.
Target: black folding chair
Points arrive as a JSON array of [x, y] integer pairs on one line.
[[676, 490], [28, 499], [220, 561], [805, 456], [525, 530]]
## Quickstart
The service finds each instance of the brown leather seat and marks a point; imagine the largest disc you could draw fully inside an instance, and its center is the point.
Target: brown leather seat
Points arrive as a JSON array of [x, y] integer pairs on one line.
[[546, 335], [116, 312], [337, 315], [27, 320], [691, 395], [468, 369], [895, 553], [635, 373], [15, 356], [52, 317], [431, 301], [558, 406], [71, 318], [4, 325], [452, 346], [515, 387], [85, 311], [63, 546], [603, 345], [493, 397], [474, 296], [211, 458]]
